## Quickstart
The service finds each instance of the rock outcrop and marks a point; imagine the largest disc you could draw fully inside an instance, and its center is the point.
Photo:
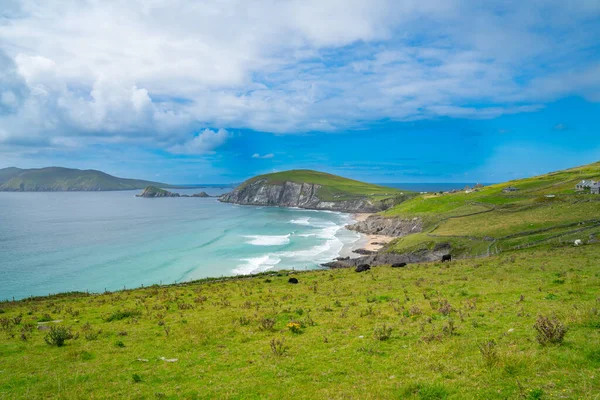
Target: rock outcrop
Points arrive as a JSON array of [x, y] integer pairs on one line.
[[379, 225], [293, 194], [153, 191], [382, 258]]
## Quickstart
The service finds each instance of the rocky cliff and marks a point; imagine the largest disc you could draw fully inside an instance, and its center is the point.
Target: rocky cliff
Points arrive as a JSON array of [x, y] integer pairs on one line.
[[379, 225], [384, 258], [292, 194]]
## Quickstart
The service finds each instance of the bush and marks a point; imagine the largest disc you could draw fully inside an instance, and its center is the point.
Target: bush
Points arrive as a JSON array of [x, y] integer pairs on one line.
[[383, 332], [549, 330], [58, 335], [267, 324], [119, 315], [489, 352], [294, 327], [278, 346], [136, 378]]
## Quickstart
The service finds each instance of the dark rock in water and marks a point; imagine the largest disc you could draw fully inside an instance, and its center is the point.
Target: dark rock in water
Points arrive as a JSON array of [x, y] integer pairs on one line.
[[399, 265], [342, 258], [153, 191], [363, 267], [364, 252], [201, 194], [292, 280]]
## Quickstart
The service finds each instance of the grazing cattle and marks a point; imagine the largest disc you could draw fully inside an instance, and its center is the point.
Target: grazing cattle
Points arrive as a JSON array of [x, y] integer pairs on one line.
[[292, 280], [398, 265], [446, 257], [363, 267], [578, 242]]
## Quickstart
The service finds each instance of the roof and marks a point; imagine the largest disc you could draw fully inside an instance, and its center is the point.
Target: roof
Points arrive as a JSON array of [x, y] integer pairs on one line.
[[587, 182]]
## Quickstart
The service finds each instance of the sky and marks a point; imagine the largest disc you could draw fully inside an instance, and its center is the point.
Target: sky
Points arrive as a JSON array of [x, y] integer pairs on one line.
[[379, 90]]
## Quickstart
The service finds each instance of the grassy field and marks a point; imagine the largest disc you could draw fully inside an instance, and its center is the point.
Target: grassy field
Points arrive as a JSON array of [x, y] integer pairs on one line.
[[510, 220], [333, 187], [460, 330]]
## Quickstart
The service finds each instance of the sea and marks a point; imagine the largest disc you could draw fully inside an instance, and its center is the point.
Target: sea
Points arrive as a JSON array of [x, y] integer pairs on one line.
[[54, 242]]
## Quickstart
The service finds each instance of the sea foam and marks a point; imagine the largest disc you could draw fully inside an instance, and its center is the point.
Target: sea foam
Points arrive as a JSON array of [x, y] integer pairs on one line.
[[268, 240]]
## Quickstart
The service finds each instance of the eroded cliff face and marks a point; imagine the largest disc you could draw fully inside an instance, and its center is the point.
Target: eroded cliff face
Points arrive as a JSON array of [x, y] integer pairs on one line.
[[379, 225], [292, 194]]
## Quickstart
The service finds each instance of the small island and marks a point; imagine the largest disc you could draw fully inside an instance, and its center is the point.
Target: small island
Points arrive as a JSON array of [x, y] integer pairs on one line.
[[153, 191]]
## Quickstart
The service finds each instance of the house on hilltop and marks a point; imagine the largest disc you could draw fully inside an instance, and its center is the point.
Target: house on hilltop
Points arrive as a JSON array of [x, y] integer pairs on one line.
[[509, 189], [585, 184], [595, 188]]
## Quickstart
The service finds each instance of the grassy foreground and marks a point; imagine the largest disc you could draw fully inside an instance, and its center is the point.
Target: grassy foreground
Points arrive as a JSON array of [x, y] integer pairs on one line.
[[462, 330]]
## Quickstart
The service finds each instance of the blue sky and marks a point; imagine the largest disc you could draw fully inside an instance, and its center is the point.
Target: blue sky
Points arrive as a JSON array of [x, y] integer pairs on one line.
[[383, 91]]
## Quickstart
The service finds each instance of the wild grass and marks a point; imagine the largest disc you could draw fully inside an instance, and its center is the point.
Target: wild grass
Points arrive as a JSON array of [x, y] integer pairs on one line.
[[429, 331]]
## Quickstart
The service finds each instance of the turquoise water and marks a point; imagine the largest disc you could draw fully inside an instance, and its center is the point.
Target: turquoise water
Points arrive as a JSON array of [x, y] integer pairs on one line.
[[58, 242]]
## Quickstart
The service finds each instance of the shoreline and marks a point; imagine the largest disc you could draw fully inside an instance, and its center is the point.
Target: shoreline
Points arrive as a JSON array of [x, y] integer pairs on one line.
[[370, 242]]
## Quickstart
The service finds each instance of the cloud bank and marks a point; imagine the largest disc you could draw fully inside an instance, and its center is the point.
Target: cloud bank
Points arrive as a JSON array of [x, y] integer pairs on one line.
[[160, 73]]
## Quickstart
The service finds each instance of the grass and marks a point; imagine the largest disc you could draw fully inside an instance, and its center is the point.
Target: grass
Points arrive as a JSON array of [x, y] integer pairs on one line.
[[469, 221], [333, 187], [421, 332]]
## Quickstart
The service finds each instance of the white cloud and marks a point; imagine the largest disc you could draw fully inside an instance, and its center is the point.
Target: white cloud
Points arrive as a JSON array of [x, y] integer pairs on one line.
[[153, 71], [265, 156], [205, 142]]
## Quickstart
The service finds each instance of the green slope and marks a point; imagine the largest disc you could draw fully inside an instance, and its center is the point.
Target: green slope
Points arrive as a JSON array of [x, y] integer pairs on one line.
[[463, 330], [333, 187], [545, 209], [65, 179]]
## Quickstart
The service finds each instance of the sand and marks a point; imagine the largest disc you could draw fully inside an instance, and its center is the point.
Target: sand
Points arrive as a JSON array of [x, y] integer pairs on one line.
[[372, 242]]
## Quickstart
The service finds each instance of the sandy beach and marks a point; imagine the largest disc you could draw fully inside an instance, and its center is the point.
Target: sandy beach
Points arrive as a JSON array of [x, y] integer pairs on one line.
[[372, 242]]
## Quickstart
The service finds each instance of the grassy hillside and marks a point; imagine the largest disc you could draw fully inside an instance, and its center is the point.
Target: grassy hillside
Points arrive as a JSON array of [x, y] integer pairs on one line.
[[463, 330], [544, 209], [65, 179], [333, 187]]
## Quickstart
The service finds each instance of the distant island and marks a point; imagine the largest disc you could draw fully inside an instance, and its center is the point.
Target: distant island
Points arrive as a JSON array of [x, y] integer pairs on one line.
[[315, 190], [58, 179], [153, 192]]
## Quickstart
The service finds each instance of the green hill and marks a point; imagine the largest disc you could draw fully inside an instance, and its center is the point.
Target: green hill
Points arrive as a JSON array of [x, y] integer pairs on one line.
[[315, 190], [543, 210], [65, 179], [332, 187], [464, 330]]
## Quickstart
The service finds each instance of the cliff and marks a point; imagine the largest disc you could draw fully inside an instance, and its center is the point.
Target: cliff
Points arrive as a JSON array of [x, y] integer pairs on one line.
[[153, 191], [379, 225], [313, 190], [292, 194]]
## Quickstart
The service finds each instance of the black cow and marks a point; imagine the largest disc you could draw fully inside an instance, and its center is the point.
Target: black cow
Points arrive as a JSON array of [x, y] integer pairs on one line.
[[292, 280], [447, 257], [363, 267], [398, 265]]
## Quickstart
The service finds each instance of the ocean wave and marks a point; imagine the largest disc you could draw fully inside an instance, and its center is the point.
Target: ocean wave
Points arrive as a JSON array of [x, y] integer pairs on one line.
[[257, 264], [301, 221], [268, 240]]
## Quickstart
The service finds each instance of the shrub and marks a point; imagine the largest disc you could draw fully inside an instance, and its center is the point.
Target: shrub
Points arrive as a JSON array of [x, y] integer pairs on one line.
[[489, 352], [278, 346], [267, 324], [58, 335], [549, 330], [119, 315], [136, 378], [120, 344], [45, 318], [382, 332]]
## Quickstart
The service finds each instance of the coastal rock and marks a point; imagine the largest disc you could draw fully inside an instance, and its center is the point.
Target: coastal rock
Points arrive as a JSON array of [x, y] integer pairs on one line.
[[201, 194], [153, 191], [380, 225], [364, 251], [393, 258], [293, 194]]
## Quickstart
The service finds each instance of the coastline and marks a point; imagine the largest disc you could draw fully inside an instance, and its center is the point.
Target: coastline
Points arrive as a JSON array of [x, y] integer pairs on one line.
[[369, 242]]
